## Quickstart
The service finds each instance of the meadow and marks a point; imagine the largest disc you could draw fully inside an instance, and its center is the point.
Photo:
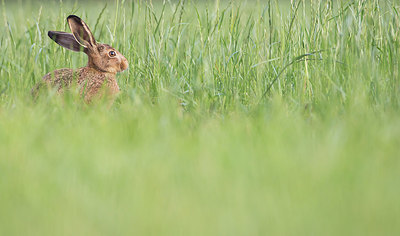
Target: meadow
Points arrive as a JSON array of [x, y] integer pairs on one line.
[[234, 118]]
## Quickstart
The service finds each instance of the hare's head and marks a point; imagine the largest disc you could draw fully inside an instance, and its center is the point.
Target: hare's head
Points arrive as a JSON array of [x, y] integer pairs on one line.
[[102, 57]]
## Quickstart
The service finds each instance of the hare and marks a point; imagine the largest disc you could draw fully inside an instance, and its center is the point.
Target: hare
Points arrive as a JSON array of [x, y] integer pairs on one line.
[[98, 76]]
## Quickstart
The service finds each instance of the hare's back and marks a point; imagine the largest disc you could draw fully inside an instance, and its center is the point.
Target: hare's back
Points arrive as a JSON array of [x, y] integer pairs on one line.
[[62, 77]]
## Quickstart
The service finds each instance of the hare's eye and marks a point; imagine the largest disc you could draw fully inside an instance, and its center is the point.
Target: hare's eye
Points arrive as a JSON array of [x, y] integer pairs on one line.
[[112, 54]]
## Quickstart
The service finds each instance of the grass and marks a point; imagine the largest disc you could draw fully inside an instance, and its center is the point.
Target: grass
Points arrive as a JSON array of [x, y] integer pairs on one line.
[[235, 118]]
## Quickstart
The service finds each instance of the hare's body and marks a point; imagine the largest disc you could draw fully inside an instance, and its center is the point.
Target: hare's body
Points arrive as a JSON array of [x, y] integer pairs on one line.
[[91, 82], [99, 76]]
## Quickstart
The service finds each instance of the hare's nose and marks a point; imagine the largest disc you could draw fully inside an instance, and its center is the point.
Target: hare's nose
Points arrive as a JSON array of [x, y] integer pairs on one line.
[[124, 64]]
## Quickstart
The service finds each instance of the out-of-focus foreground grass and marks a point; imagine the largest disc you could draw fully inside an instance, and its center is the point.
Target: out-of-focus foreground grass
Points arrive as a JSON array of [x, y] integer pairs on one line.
[[235, 118]]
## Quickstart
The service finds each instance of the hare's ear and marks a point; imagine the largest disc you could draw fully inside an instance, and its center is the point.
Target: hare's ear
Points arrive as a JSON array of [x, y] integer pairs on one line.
[[66, 40], [81, 31]]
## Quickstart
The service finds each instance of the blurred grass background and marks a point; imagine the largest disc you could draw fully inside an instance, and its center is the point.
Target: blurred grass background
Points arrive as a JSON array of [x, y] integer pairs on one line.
[[234, 118]]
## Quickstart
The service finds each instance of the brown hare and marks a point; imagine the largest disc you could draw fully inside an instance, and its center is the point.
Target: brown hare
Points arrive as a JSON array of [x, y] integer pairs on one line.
[[98, 76]]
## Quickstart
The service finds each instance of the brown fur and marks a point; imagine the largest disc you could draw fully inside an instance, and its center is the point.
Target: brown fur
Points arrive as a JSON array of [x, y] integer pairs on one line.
[[91, 82]]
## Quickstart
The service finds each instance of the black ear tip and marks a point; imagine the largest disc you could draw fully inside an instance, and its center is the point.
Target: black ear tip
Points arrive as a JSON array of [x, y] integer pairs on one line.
[[73, 16], [51, 34]]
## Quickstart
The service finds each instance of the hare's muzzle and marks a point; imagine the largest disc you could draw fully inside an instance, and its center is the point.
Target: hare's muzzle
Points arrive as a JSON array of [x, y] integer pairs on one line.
[[124, 64]]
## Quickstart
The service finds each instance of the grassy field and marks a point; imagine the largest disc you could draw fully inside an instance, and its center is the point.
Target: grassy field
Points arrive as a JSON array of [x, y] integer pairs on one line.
[[234, 118]]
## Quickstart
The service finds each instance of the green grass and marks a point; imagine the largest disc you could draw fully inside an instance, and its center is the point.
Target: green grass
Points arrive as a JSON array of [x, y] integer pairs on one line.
[[235, 118]]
